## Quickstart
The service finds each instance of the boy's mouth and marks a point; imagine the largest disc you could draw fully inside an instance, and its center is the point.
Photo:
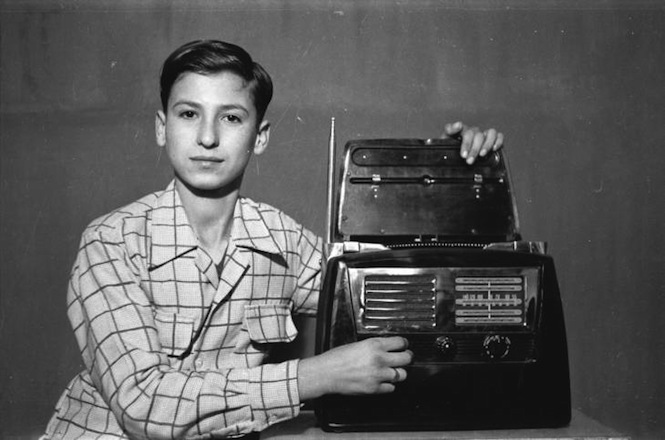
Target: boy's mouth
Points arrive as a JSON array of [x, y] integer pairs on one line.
[[206, 159]]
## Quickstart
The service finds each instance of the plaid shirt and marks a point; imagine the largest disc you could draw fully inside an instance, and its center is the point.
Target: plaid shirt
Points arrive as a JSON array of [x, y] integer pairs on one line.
[[173, 346]]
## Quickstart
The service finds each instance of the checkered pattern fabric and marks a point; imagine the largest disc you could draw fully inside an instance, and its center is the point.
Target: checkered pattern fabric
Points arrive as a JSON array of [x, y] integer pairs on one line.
[[173, 346]]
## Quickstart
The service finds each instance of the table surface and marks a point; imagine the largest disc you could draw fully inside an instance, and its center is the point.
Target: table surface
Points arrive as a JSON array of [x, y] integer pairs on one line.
[[581, 428]]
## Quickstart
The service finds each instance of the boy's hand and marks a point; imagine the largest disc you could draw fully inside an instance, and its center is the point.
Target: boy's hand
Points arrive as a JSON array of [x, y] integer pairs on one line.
[[474, 142], [371, 366]]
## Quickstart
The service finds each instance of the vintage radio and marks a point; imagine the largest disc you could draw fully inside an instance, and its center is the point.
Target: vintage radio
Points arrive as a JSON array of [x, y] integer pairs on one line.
[[424, 246]]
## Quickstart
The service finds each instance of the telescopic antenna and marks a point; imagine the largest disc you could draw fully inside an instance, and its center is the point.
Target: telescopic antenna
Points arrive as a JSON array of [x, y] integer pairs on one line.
[[331, 181]]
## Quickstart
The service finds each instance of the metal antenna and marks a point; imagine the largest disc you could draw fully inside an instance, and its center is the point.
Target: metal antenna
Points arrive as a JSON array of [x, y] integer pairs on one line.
[[331, 180]]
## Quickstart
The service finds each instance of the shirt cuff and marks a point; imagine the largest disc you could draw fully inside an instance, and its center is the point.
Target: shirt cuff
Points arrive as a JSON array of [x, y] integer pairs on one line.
[[273, 392]]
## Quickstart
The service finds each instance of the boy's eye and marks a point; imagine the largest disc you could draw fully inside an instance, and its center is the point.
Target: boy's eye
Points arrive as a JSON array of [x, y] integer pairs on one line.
[[187, 114], [232, 118]]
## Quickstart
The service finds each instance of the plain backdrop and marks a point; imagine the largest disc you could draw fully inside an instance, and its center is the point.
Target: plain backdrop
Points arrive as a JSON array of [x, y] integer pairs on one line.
[[577, 88]]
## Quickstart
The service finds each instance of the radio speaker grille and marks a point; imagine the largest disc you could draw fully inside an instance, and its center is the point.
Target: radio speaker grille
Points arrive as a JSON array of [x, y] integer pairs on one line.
[[400, 300]]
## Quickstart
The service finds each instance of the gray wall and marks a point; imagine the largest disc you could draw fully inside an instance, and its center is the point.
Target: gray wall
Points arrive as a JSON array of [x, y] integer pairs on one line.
[[576, 86]]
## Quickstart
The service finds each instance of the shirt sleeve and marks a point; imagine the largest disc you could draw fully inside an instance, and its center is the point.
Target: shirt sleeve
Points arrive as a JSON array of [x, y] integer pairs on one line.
[[310, 253], [114, 325]]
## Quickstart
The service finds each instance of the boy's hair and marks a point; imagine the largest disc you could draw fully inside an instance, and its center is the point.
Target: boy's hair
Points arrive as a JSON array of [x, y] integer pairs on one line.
[[212, 56]]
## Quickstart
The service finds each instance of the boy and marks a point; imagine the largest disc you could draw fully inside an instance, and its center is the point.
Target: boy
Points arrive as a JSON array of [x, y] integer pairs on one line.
[[177, 298]]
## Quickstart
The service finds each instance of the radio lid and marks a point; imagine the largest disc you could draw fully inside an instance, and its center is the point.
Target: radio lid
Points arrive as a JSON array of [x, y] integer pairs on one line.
[[422, 189]]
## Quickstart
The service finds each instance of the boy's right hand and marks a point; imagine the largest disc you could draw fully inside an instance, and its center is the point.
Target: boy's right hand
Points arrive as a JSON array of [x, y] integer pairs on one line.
[[475, 143], [371, 366]]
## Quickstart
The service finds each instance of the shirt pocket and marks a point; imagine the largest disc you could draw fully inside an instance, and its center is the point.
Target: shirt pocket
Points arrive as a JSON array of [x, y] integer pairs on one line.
[[266, 324], [175, 332]]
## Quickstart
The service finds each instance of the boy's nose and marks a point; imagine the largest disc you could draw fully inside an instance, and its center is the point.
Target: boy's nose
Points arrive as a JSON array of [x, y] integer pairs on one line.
[[207, 135]]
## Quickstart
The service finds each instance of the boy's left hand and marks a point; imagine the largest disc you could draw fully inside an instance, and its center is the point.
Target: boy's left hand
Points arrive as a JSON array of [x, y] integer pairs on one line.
[[474, 141]]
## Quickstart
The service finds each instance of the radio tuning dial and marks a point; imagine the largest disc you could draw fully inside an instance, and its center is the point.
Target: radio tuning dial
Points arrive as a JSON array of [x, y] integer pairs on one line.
[[446, 346], [496, 346]]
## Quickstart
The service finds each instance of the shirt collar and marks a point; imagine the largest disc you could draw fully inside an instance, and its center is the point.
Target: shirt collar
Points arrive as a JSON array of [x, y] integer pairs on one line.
[[172, 235], [250, 229]]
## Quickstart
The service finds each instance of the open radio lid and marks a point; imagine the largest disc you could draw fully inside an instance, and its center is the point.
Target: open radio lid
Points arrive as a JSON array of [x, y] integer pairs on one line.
[[396, 190]]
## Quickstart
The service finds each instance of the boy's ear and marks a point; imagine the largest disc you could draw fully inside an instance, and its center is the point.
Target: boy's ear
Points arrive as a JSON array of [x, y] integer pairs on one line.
[[160, 128], [262, 137]]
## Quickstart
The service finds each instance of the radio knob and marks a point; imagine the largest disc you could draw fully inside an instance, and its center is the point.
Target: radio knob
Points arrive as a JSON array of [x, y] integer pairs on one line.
[[446, 346], [496, 346]]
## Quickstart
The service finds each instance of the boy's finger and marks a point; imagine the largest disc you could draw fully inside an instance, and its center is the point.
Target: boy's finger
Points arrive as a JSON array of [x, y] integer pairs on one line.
[[394, 343], [488, 144], [453, 128], [498, 143], [476, 144], [398, 358], [394, 375], [468, 136]]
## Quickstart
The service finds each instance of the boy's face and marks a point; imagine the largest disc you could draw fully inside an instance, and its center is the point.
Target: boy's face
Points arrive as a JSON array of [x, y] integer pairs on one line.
[[210, 130]]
